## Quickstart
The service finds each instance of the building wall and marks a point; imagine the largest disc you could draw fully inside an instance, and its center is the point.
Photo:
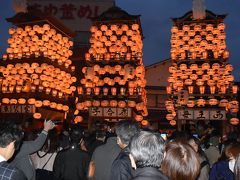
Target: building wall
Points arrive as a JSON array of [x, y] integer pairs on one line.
[[157, 74]]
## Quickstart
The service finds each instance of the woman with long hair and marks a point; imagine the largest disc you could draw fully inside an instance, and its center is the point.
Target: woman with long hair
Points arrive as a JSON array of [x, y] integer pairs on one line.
[[204, 166]]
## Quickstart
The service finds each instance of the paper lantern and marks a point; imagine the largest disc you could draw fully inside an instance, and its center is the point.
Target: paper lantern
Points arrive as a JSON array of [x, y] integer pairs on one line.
[[5, 101], [78, 119], [144, 122], [46, 102], [37, 115], [234, 121], [21, 101], [173, 123], [169, 117], [31, 101], [122, 104], [213, 102], [131, 104], [138, 118], [201, 102], [104, 103], [113, 103], [65, 108], [38, 103], [190, 103]]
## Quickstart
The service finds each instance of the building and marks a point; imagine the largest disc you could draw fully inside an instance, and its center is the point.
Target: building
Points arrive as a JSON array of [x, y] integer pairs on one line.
[[157, 75]]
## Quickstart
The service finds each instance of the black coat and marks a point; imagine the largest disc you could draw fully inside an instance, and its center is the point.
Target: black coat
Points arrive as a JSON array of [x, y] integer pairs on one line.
[[121, 167], [71, 164], [8, 172], [148, 173]]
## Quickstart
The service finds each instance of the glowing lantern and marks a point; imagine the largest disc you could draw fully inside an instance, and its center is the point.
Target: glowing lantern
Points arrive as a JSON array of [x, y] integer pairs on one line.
[[213, 102], [5, 101], [190, 103], [37, 115], [234, 89], [169, 117], [78, 119], [122, 104], [144, 122], [138, 118], [96, 103], [104, 103], [201, 102], [169, 89], [234, 121], [38, 103], [113, 103], [31, 101], [223, 103], [21, 101], [202, 89], [173, 123], [131, 104]]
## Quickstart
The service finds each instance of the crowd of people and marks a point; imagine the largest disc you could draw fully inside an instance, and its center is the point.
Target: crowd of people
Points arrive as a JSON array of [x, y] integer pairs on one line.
[[128, 152]]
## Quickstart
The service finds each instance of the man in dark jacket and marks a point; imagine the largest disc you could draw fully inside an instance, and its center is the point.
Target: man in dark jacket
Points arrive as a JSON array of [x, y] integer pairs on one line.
[[146, 152], [72, 163], [121, 168], [22, 160], [102, 159], [9, 141]]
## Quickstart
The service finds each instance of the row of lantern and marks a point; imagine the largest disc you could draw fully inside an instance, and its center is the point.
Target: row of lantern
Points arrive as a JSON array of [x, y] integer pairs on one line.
[[204, 74], [33, 88], [199, 28], [197, 53], [38, 41], [129, 72], [232, 106], [221, 89], [117, 56], [196, 67], [200, 81], [36, 103], [198, 41], [172, 121], [112, 103], [112, 82], [25, 78], [36, 68], [114, 28], [113, 39], [110, 91]]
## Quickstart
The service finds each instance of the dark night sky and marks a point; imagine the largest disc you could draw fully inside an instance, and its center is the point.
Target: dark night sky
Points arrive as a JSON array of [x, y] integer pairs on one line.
[[156, 23]]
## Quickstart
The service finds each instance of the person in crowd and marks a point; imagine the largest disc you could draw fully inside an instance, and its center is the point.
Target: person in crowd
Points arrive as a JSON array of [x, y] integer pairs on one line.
[[212, 152], [10, 140], [97, 140], [146, 152], [237, 168], [22, 159], [43, 160], [64, 142], [204, 166], [102, 159], [121, 168], [181, 162], [224, 169], [72, 163]]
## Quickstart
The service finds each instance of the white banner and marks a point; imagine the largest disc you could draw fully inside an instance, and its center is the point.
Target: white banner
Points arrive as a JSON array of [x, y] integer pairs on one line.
[[201, 114], [109, 112], [16, 108]]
